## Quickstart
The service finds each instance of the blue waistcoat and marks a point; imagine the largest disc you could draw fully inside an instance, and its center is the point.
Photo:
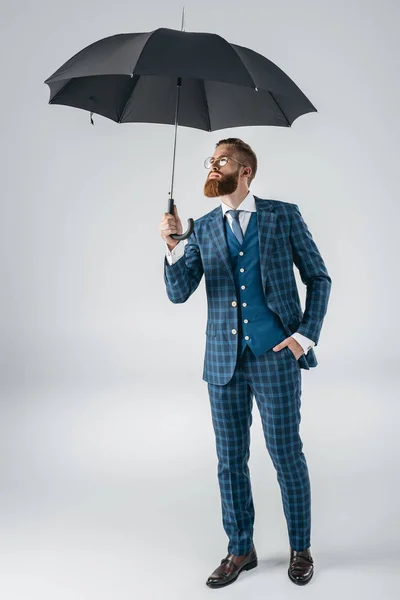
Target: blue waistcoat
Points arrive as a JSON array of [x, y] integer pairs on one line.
[[263, 327]]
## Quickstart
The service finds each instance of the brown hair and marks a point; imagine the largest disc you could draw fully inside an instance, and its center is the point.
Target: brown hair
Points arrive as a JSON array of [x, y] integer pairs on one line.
[[245, 152]]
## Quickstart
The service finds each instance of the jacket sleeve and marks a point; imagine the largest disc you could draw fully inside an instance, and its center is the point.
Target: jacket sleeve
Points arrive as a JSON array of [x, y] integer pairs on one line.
[[182, 278], [313, 274]]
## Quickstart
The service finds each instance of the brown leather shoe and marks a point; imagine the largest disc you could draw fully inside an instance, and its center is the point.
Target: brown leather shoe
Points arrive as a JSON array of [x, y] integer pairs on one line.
[[230, 567], [301, 566]]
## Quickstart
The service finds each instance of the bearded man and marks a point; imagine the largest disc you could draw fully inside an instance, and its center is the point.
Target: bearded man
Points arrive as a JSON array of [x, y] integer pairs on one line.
[[257, 341]]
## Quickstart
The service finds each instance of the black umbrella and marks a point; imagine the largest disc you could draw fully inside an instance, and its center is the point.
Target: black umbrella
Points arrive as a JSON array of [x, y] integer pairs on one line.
[[169, 76]]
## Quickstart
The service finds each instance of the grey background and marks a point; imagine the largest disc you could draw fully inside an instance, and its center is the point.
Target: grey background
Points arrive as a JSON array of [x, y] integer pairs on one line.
[[108, 478]]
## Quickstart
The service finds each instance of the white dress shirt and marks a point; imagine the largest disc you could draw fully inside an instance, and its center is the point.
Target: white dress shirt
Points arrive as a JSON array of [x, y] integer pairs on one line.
[[247, 206]]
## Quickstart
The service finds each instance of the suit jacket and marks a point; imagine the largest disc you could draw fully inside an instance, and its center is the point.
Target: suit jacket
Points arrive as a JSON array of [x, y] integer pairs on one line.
[[284, 239]]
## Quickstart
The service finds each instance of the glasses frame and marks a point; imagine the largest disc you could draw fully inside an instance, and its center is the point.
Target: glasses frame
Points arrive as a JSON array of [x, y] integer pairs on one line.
[[216, 161]]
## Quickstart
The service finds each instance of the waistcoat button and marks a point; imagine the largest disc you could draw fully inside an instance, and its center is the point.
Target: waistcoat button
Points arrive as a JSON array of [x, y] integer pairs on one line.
[[234, 331], [234, 303]]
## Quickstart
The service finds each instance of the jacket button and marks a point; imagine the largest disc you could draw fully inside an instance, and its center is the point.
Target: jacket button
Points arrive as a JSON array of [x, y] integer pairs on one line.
[[243, 287], [246, 337], [244, 304], [241, 253], [242, 270], [246, 321], [234, 303], [234, 331]]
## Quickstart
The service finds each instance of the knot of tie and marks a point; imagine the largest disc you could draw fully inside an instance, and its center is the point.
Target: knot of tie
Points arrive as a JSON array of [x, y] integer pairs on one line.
[[234, 213]]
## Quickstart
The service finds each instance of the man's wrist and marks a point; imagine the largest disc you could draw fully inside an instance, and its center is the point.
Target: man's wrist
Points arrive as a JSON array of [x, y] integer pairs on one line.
[[304, 342], [171, 247]]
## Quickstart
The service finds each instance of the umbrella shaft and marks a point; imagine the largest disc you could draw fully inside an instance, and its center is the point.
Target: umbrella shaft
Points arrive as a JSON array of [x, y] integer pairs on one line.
[[178, 84]]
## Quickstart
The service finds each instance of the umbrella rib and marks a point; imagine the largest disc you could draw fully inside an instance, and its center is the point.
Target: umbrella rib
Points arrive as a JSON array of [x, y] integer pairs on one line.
[[62, 89], [128, 98], [208, 108], [277, 104], [245, 66]]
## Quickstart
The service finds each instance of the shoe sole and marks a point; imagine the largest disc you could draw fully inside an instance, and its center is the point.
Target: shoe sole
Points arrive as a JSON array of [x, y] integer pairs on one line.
[[297, 582], [247, 567]]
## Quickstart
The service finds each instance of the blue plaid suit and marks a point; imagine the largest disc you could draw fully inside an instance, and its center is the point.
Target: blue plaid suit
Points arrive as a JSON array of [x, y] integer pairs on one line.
[[273, 378]]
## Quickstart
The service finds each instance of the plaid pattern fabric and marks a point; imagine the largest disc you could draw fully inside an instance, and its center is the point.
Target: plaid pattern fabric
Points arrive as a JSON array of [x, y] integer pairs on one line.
[[284, 239], [274, 378]]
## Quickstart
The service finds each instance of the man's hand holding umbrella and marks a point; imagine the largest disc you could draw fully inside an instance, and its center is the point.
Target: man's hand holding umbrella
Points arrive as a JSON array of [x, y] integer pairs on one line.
[[170, 224]]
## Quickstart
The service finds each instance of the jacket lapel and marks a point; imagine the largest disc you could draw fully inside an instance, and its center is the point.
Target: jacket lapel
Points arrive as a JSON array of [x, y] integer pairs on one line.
[[266, 225]]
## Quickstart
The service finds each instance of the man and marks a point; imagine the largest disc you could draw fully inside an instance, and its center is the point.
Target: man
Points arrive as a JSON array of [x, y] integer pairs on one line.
[[257, 341]]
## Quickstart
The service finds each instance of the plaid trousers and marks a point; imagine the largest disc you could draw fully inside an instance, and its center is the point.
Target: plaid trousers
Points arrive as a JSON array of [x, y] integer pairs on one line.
[[274, 379]]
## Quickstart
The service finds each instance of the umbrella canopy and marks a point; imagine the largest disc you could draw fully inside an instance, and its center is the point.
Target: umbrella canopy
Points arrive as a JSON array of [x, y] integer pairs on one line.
[[168, 76], [133, 77]]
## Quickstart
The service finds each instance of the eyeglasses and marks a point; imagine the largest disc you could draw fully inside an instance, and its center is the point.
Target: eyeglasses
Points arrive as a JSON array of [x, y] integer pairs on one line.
[[221, 161]]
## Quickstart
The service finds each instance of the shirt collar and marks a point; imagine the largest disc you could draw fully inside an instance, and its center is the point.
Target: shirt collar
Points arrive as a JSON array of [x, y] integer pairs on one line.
[[248, 203]]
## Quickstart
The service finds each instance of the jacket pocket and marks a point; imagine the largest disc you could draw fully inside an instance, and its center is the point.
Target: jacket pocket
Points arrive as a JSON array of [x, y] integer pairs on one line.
[[291, 353], [210, 330]]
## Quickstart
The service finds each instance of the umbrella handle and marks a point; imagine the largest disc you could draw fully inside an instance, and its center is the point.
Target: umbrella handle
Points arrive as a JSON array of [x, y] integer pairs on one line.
[[180, 236]]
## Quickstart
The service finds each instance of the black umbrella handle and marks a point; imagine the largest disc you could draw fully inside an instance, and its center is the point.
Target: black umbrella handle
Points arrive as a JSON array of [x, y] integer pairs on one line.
[[179, 236]]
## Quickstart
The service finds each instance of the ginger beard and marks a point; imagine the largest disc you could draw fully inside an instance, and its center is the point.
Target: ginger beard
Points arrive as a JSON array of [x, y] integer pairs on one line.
[[220, 186]]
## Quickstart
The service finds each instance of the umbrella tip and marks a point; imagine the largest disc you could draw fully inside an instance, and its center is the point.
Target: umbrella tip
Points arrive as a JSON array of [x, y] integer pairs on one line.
[[183, 19]]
